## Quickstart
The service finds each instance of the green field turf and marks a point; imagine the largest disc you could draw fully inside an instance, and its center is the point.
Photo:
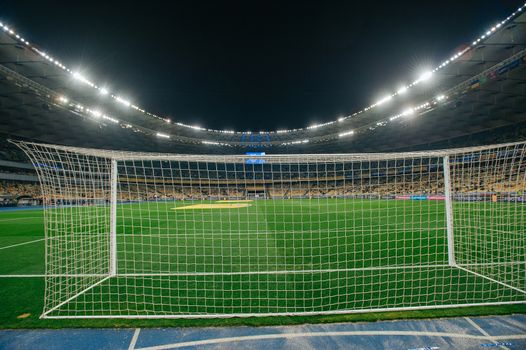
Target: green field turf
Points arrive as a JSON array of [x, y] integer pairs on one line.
[[350, 243]]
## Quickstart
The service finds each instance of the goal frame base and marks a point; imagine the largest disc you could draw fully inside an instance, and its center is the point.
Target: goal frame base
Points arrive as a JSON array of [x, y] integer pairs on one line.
[[288, 314], [46, 314]]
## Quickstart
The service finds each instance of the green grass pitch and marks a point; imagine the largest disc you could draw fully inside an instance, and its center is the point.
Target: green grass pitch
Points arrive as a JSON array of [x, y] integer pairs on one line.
[[350, 240]]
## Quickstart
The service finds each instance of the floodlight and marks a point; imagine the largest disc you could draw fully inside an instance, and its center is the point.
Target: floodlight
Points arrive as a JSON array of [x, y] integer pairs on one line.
[[350, 132], [123, 101], [426, 76], [409, 111], [402, 90]]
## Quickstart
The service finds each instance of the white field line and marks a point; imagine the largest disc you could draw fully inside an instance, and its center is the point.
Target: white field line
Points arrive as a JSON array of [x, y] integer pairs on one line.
[[282, 272], [269, 272], [478, 328], [233, 273], [23, 243], [494, 263], [492, 280], [73, 297], [356, 230], [303, 313], [134, 339], [24, 218], [55, 275], [322, 334], [23, 276]]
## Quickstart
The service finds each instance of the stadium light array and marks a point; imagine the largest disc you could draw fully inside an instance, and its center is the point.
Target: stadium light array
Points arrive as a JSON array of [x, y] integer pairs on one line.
[[347, 133], [78, 76], [424, 77], [113, 120], [123, 101], [214, 143], [295, 142], [96, 113], [160, 134], [384, 100], [402, 90], [409, 111]]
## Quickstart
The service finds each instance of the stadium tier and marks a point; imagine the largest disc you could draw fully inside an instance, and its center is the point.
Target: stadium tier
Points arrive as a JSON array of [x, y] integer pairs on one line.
[[144, 235], [478, 89]]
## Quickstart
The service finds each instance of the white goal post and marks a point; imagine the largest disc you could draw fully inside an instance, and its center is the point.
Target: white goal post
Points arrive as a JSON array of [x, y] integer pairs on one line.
[[144, 235]]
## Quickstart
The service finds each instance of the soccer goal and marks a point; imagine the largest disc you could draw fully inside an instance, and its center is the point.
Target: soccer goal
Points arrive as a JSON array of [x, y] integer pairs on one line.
[[143, 235]]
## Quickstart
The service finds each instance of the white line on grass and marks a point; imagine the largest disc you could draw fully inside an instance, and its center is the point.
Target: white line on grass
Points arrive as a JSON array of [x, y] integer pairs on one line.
[[24, 218], [134, 339], [23, 276], [80, 275], [322, 334], [19, 244]]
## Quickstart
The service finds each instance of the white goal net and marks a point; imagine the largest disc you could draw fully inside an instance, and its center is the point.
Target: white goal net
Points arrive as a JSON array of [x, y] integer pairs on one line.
[[160, 235]]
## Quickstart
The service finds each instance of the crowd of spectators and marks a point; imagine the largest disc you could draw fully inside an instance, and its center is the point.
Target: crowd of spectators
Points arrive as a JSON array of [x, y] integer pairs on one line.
[[380, 179]]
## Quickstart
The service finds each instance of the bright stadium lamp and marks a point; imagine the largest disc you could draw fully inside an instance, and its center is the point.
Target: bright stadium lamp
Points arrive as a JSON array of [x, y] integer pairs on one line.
[[347, 133], [384, 100], [123, 101], [409, 111], [165, 136], [425, 76], [402, 90], [78, 76]]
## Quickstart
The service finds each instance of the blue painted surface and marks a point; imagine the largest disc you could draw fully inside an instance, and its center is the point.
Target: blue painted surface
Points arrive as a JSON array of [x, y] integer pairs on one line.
[[78, 339], [497, 326], [503, 325]]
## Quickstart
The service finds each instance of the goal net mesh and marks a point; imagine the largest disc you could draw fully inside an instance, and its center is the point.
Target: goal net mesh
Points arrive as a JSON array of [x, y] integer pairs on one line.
[[160, 235]]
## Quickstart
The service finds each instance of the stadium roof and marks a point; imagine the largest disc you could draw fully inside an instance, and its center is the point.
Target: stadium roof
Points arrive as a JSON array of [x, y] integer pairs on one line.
[[481, 87]]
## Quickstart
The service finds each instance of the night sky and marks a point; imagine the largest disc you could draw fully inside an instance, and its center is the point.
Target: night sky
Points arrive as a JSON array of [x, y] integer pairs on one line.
[[253, 65]]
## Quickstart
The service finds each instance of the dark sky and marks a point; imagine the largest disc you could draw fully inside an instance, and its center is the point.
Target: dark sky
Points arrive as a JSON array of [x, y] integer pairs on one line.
[[253, 65]]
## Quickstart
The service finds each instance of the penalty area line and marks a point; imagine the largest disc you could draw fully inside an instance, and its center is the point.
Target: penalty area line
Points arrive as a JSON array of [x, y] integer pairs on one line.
[[23, 243], [24, 276], [24, 218]]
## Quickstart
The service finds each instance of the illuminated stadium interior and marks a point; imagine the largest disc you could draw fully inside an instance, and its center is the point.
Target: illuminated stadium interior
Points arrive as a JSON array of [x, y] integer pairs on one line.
[[113, 214], [478, 88]]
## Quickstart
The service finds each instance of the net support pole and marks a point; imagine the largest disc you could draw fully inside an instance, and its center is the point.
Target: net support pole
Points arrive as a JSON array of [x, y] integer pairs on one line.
[[113, 218], [449, 213]]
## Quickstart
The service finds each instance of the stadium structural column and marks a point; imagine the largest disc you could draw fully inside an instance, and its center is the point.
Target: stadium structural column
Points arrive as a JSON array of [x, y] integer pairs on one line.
[[449, 213], [113, 218]]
